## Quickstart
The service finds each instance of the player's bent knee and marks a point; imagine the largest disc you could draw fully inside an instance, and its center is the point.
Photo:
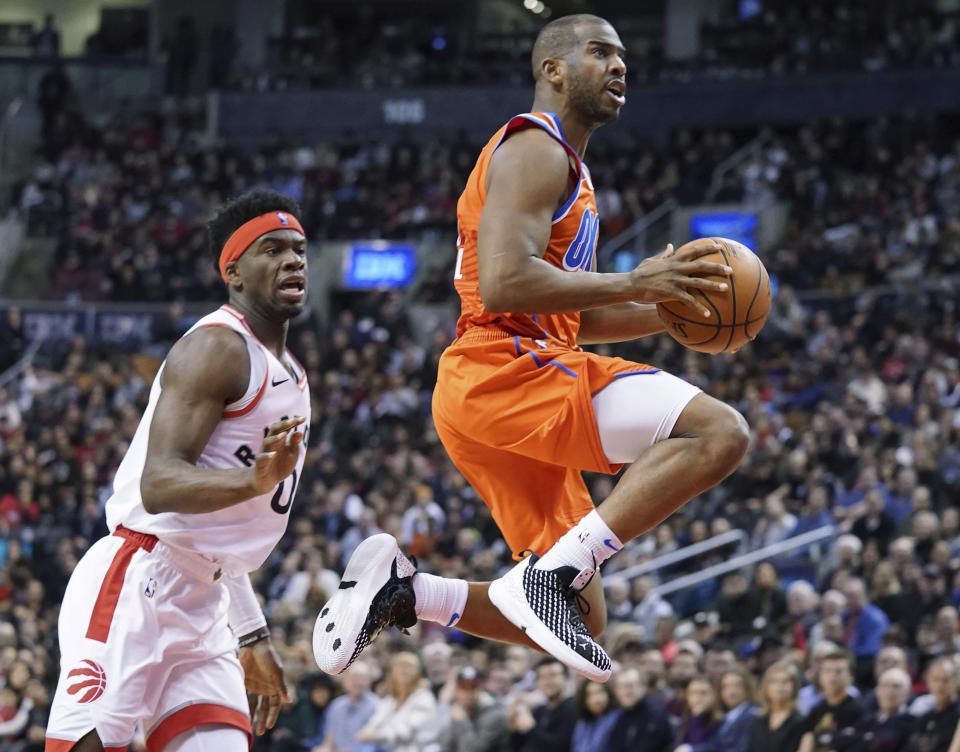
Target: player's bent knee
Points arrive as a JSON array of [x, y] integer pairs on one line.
[[724, 433], [736, 436], [728, 439]]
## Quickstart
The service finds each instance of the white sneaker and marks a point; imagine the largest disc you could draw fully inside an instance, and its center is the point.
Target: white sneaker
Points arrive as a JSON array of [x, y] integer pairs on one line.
[[543, 603], [376, 592]]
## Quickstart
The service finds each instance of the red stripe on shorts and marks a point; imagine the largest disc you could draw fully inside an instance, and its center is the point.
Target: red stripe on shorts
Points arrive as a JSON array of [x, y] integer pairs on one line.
[[201, 714], [106, 604]]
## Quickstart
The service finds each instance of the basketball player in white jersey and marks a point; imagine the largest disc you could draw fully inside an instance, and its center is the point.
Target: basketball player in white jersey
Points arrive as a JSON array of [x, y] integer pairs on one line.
[[159, 625]]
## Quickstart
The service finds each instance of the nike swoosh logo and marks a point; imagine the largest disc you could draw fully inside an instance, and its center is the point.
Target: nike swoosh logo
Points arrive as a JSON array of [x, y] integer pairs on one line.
[[608, 544], [274, 382], [453, 618]]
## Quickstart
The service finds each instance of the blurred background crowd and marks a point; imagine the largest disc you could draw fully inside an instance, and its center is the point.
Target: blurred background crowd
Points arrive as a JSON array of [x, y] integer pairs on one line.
[[852, 393]]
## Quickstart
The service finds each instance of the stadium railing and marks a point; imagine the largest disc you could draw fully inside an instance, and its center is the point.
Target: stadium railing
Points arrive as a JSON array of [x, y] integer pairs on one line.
[[741, 155], [637, 235], [7, 148], [731, 537], [99, 84], [746, 559], [25, 360]]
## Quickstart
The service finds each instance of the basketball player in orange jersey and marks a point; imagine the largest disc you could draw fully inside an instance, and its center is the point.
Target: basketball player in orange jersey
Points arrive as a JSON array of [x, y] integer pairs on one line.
[[200, 499], [522, 409]]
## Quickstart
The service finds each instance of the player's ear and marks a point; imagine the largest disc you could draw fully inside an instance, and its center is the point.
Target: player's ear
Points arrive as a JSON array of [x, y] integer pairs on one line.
[[553, 70], [233, 274]]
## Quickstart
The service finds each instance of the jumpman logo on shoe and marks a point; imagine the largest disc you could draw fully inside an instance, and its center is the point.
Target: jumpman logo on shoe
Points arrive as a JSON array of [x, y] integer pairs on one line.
[[545, 603]]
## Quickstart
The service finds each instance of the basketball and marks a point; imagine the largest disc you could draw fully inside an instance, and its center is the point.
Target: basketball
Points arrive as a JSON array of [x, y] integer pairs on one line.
[[736, 315]]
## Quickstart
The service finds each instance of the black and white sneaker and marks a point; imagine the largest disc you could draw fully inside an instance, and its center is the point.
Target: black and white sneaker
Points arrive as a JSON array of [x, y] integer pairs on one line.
[[376, 592], [543, 603]]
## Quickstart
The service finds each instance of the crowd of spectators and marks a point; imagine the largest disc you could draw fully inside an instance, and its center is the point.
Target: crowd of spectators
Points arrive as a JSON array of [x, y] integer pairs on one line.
[[854, 412], [106, 188], [871, 203], [743, 40], [778, 37], [737, 40], [853, 398]]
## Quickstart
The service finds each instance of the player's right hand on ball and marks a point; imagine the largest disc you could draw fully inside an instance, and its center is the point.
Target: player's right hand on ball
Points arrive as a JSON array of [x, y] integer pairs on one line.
[[278, 453], [674, 275]]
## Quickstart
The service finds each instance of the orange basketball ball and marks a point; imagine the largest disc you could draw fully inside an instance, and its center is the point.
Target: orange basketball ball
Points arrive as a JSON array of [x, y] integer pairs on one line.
[[736, 315]]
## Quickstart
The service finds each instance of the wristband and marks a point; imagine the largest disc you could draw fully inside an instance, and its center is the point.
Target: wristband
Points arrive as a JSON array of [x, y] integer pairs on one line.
[[261, 634]]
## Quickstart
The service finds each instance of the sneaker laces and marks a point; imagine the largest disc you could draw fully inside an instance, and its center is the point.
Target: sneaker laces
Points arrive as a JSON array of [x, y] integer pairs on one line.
[[577, 605], [580, 605]]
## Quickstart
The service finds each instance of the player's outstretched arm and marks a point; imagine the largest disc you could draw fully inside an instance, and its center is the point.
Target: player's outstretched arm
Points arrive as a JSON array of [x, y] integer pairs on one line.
[[203, 373], [527, 181]]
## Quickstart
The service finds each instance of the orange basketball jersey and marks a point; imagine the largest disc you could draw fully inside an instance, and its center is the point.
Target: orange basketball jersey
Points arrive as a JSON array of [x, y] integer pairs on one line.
[[573, 240], [513, 404]]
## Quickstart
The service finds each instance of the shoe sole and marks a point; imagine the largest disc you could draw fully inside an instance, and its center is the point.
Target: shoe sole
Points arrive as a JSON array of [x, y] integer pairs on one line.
[[507, 595], [337, 630]]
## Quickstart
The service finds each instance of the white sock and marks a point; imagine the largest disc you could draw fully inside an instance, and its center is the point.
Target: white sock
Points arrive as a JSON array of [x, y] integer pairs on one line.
[[439, 599], [586, 545]]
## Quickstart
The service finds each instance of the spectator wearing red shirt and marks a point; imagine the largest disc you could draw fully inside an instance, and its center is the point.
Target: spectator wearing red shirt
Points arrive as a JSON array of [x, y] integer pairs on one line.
[[19, 507]]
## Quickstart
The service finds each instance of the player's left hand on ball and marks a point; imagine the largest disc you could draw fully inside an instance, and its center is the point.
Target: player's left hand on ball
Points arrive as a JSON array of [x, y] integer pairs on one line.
[[266, 689]]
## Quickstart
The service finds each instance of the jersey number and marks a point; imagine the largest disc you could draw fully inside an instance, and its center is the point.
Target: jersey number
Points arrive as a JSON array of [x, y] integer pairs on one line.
[[275, 504], [579, 255], [457, 274]]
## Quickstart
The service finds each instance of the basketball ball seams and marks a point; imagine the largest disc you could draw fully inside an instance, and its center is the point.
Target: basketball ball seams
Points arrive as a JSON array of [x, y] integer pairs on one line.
[[764, 288], [716, 315], [756, 291], [733, 288], [699, 322], [686, 324]]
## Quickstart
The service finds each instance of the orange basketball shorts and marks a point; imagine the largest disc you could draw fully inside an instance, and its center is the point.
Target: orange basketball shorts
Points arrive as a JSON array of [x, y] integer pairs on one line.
[[516, 417]]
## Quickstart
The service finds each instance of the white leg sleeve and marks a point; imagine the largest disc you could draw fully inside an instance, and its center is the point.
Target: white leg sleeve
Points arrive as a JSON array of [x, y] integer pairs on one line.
[[635, 412]]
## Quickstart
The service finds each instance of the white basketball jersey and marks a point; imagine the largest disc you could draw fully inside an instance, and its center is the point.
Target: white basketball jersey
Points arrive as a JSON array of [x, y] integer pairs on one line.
[[239, 538]]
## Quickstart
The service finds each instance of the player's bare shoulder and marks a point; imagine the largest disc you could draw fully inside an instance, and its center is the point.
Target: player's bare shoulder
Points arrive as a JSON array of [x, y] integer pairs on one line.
[[210, 359], [532, 160]]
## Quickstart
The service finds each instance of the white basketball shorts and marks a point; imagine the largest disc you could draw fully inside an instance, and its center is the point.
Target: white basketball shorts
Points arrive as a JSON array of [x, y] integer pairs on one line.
[[144, 639]]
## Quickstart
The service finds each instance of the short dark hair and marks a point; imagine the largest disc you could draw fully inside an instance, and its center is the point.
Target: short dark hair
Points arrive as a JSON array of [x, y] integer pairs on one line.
[[718, 646], [838, 655], [558, 38], [687, 651], [242, 209]]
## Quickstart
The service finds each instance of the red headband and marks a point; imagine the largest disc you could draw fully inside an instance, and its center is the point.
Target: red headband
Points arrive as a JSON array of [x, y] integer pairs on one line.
[[248, 232]]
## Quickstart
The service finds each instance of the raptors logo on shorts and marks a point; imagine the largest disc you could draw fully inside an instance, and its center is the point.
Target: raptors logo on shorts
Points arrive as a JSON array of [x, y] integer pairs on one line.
[[89, 679]]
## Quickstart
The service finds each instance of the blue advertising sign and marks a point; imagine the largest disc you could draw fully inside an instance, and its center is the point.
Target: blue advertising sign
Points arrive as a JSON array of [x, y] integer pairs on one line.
[[739, 226], [379, 265]]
